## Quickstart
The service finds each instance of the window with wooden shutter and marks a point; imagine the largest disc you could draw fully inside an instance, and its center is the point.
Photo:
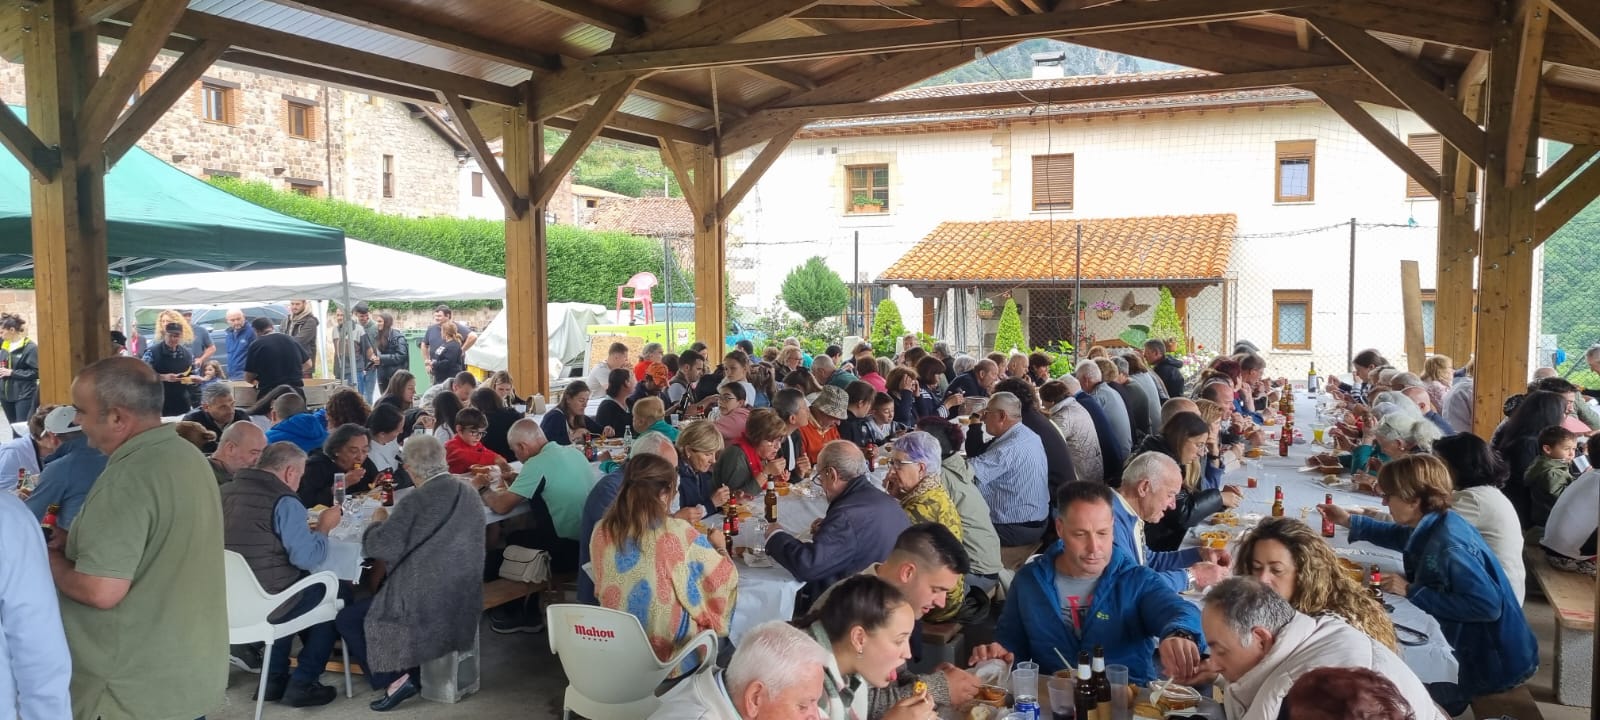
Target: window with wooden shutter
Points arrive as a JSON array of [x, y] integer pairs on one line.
[[1429, 147], [300, 120], [1291, 319], [216, 103], [1295, 171], [388, 176], [866, 189], [1052, 182]]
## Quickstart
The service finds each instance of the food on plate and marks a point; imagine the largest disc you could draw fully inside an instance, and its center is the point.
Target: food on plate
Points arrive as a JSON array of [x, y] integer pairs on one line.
[[1330, 479], [980, 711], [1174, 697], [1254, 452], [1148, 711], [991, 695], [1226, 517], [1215, 539]]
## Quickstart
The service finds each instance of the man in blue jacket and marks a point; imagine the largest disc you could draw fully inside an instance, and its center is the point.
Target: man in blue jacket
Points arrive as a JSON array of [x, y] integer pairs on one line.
[[1149, 489], [1084, 591]]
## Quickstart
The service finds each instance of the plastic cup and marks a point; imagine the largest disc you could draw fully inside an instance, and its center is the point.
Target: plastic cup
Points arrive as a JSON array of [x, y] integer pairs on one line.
[[674, 419], [1117, 678], [1061, 698], [1025, 680], [1316, 435]]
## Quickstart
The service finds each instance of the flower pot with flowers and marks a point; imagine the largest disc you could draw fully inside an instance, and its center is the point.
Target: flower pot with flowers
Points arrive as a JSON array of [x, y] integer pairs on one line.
[[985, 308], [864, 203], [1104, 309]]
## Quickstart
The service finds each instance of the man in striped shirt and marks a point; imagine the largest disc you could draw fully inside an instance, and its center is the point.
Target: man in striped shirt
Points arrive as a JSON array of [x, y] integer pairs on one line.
[[1011, 471]]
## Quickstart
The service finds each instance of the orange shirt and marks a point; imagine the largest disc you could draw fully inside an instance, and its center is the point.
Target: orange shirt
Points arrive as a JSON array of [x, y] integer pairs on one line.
[[813, 438]]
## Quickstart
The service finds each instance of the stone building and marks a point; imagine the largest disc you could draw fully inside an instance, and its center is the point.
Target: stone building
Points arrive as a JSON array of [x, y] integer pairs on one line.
[[391, 156]]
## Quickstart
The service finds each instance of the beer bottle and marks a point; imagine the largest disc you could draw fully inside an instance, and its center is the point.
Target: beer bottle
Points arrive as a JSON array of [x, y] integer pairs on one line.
[[1372, 584], [48, 522], [1084, 697], [1327, 522], [1285, 437], [730, 518], [1102, 686], [1277, 501], [872, 457], [386, 492], [772, 501]]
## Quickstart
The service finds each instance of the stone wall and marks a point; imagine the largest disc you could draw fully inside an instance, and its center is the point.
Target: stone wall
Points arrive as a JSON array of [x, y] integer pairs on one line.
[[22, 303]]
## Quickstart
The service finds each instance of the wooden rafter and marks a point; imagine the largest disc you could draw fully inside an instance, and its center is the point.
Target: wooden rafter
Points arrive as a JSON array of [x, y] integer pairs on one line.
[[651, 127], [1011, 7], [1567, 202], [544, 186], [110, 92], [516, 204], [1563, 168], [156, 100], [589, 13], [899, 14], [782, 76], [1402, 78], [384, 17], [676, 160], [278, 66], [609, 133], [1468, 25], [752, 174], [1582, 16], [41, 160], [1525, 98], [1386, 142], [89, 13], [1110, 18]]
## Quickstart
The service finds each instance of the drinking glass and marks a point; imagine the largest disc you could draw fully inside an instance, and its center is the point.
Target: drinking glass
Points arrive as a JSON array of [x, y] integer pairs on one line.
[[1025, 680], [1117, 678], [1061, 698]]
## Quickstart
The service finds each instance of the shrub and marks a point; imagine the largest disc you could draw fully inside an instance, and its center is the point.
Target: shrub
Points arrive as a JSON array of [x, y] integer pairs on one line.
[[887, 329], [1009, 336], [1060, 358], [814, 291], [1167, 325]]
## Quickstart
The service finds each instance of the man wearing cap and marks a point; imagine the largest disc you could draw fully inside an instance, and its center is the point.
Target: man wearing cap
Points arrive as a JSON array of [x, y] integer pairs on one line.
[[172, 362], [69, 472], [827, 411]]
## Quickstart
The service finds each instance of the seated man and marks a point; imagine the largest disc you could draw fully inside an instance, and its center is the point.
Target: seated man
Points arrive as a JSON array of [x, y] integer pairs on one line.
[[292, 423], [599, 500], [1011, 471], [462, 385], [239, 447], [859, 529], [977, 382], [263, 520], [216, 412], [1260, 645], [776, 673], [1425, 404], [69, 473], [1149, 487], [1084, 581]]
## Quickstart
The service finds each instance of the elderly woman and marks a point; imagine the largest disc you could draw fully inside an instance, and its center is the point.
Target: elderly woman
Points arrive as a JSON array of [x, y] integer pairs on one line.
[[977, 530], [430, 602], [733, 410], [1477, 476], [790, 359], [751, 461], [650, 415], [1075, 425], [865, 625], [613, 412], [1396, 434], [699, 444], [913, 479], [659, 568], [1451, 574], [565, 424], [343, 453], [1292, 559]]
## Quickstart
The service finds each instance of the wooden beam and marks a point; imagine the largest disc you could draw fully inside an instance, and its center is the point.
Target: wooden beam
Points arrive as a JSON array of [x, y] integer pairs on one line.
[[752, 173], [1570, 162], [610, 133], [1010, 7], [1302, 34], [1386, 142], [605, 18], [41, 161], [649, 126], [1525, 98], [1453, 319], [1411, 311], [515, 205], [109, 95], [710, 251], [1571, 199], [1469, 96], [384, 17], [577, 141], [92, 12], [676, 160], [936, 13], [1403, 79], [527, 269], [1582, 16], [783, 76], [1110, 18], [288, 68], [156, 100], [1466, 25]]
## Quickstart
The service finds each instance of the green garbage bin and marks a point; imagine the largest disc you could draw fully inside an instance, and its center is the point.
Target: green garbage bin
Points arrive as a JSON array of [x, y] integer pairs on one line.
[[419, 366]]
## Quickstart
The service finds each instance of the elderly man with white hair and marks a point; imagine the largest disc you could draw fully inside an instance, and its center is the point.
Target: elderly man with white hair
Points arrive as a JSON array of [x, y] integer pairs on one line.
[[1419, 395], [776, 674], [826, 373], [1011, 471], [859, 529], [1260, 645], [238, 448], [600, 498], [1149, 489], [236, 342], [1116, 411], [920, 455]]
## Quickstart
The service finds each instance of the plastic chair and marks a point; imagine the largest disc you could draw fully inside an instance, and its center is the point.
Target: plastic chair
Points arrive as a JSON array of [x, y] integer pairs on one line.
[[641, 284], [249, 607], [611, 670]]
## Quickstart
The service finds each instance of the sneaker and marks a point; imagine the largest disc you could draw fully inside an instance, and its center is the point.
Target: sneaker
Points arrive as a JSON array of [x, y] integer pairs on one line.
[[309, 694], [245, 657], [516, 621], [276, 685]]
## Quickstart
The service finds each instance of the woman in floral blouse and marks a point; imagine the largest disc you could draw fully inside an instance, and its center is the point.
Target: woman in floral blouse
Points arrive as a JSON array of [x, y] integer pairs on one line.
[[913, 480]]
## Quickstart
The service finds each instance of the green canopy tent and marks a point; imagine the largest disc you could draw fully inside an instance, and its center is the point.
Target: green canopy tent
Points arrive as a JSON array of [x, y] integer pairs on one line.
[[161, 220]]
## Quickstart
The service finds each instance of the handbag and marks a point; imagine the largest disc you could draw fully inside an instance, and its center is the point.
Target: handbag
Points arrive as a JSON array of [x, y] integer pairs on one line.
[[525, 565]]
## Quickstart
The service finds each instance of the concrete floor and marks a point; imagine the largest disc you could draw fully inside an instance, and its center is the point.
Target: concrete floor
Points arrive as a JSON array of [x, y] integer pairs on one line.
[[522, 679]]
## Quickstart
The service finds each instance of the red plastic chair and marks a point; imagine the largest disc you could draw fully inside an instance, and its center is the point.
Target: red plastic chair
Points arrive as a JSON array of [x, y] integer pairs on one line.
[[641, 285]]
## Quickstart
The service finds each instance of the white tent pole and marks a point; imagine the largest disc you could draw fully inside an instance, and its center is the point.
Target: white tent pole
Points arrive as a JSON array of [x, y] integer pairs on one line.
[[347, 326], [127, 308]]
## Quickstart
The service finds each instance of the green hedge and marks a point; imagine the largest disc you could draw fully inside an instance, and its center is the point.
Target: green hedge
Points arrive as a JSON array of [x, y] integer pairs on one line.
[[585, 266]]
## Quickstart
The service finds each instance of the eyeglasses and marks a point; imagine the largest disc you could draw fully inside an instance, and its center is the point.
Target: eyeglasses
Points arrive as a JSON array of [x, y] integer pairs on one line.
[[470, 433]]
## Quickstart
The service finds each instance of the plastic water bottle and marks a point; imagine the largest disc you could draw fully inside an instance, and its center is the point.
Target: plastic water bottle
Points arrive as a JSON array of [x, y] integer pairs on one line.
[[627, 437]]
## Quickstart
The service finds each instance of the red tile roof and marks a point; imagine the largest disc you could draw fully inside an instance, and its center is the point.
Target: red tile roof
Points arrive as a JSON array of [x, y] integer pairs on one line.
[[646, 217]]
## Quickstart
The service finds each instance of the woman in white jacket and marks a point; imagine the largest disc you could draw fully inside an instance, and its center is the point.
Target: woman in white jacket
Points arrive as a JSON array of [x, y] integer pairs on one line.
[[1477, 476], [1260, 645]]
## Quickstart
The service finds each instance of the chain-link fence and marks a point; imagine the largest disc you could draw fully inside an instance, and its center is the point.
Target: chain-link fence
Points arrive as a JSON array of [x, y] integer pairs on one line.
[[1569, 318]]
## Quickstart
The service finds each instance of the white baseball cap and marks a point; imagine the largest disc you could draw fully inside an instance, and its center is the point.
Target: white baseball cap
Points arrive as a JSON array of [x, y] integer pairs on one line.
[[62, 420]]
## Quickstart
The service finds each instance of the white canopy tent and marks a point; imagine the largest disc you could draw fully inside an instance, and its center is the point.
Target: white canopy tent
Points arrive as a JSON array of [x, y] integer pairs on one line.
[[569, 337]]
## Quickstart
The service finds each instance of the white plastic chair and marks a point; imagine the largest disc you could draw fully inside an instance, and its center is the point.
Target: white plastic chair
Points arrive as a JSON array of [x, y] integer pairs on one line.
[[249, 606], [611, 670]]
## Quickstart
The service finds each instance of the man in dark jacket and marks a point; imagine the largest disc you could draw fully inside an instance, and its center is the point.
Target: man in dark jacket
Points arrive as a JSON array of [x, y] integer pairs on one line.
[[216, 412], [1056, 454], [172, 362], [1110, 599], [1165, 367], [263, 520], [275, 358], [976, 383], [1110, 458], [859, 529]]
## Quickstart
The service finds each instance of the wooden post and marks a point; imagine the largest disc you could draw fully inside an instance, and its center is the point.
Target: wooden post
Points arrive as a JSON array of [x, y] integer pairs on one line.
[[69, 213], [710, 250], [1505, 270], [927, 315], [1411, 306], [527, 281], [1453, 319]]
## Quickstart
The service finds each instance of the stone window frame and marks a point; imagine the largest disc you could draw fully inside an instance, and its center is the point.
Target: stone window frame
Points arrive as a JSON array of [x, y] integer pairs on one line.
[[311, 120], [387, 177], [229, 92]]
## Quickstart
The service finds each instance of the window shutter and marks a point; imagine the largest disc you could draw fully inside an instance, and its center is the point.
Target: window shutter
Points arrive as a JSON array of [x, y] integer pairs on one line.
[[1429, 147], [1052, 182]]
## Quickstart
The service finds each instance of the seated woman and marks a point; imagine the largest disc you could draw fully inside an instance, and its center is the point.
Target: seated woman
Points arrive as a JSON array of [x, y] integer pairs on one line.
[[344, 452], [1398, 433], [1452, 575], [1477, 476], [613, 411], [1292, 559], [401, 392], [1569, 535], [650, 415], [760, 377], [732, 410], [565, 423], [752, 460], [865, 625], [500, 419], [1187, 439], [699, 445], [466, 450], [902, 384], [446, 406], [653, 383], [430, 603], [384, 425], [867, 370], [913, 479], [803, 381], [1517, 442], [978, 537], [506, 389], [856, 425], [345, 407], [638, 546]]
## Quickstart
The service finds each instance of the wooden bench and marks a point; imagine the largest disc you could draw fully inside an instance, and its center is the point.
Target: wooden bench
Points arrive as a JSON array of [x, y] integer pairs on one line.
[[1515, 703], [1572, 597], [500, 591]]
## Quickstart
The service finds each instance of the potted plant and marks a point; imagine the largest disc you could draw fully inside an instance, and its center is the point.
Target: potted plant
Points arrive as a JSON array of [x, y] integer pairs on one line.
[[1104, 309], [864, 203], [985, 308]]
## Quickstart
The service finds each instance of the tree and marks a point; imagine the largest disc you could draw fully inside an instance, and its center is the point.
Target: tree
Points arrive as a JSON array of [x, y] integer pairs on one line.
[[814, 291], [1167, 325], [1009, 336], [887, 329]]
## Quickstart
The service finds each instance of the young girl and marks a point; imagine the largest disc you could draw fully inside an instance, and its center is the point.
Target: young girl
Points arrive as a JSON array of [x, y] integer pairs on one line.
[[212, 373]]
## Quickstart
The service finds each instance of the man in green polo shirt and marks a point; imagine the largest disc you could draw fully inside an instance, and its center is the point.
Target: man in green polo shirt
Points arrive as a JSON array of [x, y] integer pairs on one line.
[[140, 576]]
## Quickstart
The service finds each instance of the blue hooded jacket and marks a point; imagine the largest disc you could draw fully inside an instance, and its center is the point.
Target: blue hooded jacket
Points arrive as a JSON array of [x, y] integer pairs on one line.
[[1132, 607], [69, 473], [307, 431], [1454, 577], [1170, 566]]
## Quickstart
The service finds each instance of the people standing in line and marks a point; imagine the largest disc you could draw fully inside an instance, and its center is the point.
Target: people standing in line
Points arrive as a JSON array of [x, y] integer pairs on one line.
[[448, 357], [366, 372], [434, 337], [353, 354], [302, 326], [394, 354], [275, 358], [237, 339], [19, 369], [145, 613]]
